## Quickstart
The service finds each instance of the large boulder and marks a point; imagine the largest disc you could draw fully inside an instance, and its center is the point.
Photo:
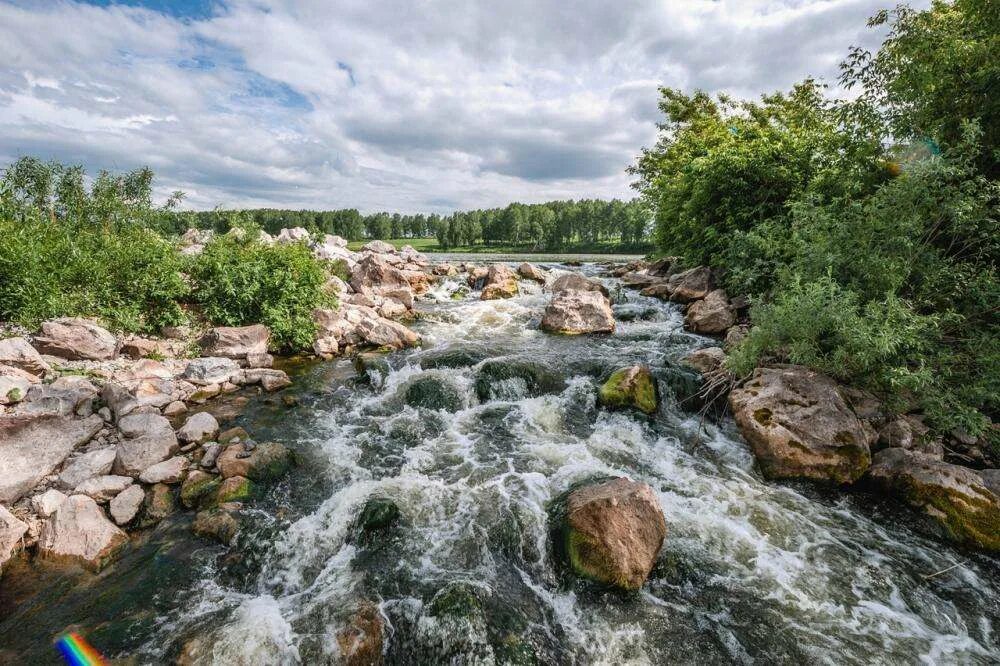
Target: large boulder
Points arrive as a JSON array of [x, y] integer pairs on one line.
[[78, 531], [146, 439], [799, 425], [711, 314], [235, 342], [210, 370], [11, 532], [198, 428], [957, 498], [267, 461], [18, 353], [501, 282], [577, 282], [531, 272], [613, 532], [87, 466], [76, 340], [633, 387], [379, 247], [573, 311], [373, 271], [31, 447], [691, 285]]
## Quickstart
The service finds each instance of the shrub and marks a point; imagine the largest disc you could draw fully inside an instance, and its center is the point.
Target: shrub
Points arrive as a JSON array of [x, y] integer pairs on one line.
[[239, 281], [127, 276]]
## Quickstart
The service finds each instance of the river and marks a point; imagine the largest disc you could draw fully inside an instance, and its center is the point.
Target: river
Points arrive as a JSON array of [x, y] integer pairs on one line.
[[751, 571]]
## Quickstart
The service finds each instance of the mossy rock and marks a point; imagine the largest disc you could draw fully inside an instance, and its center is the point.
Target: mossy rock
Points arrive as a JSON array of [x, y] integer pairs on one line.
[[452, 357], [378, 515], [233, 434], [632, 387], [458, 599], [372, 367], [433, 392], [198, 485], [219, 523], [493, 381], [233, 489]]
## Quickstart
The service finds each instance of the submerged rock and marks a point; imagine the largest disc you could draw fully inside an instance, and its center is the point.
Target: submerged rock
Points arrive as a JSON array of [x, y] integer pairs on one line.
[[78, 531], [76, 340], [574, 312], [197, 486], [799, 426], [613, 532], [433, 391], [513, 379], [377, 515], [956, 497], [631, 387], [220, 523]]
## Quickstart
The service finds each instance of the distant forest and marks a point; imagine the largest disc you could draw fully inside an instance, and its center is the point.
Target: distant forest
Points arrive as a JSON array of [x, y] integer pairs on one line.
[[552, 225]]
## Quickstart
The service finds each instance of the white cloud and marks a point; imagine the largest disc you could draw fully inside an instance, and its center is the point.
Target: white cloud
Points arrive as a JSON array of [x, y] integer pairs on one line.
[[391, 105]]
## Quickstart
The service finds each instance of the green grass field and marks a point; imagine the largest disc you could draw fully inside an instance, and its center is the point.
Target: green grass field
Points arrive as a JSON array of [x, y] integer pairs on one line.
[[431, 245]]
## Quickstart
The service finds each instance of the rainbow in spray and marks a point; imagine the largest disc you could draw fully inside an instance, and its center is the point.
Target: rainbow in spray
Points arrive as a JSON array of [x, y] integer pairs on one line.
[[78, 652]]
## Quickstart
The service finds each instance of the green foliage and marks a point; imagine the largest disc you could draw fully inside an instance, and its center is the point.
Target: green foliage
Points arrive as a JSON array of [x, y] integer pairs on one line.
[[876, 266], [239, 281], [65, 251]]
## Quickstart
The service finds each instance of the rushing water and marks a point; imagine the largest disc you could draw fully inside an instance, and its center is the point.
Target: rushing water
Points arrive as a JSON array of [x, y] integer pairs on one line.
[[750, 572]]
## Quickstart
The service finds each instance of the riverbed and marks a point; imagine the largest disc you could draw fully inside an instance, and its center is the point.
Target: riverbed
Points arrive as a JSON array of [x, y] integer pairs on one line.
[[473, 437]]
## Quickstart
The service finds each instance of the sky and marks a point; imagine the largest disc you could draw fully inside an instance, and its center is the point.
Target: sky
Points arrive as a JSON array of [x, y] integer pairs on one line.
[[409, 106]]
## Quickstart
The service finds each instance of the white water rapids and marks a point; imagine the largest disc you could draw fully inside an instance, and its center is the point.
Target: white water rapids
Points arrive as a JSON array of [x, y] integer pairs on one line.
[[751, 571]]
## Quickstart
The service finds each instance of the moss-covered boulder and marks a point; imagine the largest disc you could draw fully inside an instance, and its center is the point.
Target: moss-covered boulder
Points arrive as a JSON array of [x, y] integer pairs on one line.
[[197, 486], [233, 489], [377, 516], [265, 462], [220, 523], [612, 532], [632, 387], [512, 379], [800, 426], [372, 367], [956, 498], [433, 391]]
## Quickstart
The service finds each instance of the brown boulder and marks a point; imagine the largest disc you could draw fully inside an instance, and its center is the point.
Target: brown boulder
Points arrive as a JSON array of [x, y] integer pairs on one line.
[[501, 282], [18, 353], [799, 425], [531, 272], [577, 282], [79, 531], [956, 497], [235, 342], [711, 314], [614, 531], [691, 285], [360, 641], [76, 340], [705, 360], [574, 312]]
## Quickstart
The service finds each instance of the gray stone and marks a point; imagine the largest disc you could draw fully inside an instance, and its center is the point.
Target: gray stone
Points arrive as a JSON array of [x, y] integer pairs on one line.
[[236, 342], [48, 502], [103, 488], [169, 471], [200, 427], [18, 353], [126, 504], [78, 531], [210, 370], [32, 447], [146, 440], [87, 466]]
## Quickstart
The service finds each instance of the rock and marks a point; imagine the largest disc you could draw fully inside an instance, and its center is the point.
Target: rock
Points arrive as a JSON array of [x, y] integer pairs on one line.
[[75, 395], [374, 272], [661, 290], [956, 497], [379, 247], [205, 393], [372, 367], [267, 461], [139, 347], [501, 282], [799, 426], [711, 315], [708, 359], [14, 384], [269, 379], [664, 266], [433, 391], [18, 353], [78, 531], [169, 471], [210, 370], [574, 312], [259, 360], [32, 447], [175, 408], [293, 235], [613, 532], [235, 342], [159, 503], [232, 489], [101, 489], [513, 379], [197, 486], [388, 334], [93, 463], [199, 428], [146, 440], [991, 479], [631, 387], [360, 641], [48, 502], [11, 532], [76, 340], [126, 504], [176, 332], [734, 336], [691, 285], [377, 515], [531, 272], [908, 432], [211, 455], [219, 523], [576, 282]]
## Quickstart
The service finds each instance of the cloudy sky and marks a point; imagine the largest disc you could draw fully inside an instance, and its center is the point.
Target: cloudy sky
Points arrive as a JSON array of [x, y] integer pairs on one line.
[[412, 106]]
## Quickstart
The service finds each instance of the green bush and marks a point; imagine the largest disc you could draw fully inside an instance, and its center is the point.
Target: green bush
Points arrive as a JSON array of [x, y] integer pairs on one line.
[[238, 280], [127, 276]]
